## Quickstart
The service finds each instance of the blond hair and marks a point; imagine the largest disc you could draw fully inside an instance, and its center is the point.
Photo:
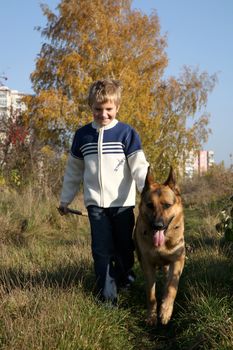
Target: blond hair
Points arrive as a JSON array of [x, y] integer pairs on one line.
[[102, 91]]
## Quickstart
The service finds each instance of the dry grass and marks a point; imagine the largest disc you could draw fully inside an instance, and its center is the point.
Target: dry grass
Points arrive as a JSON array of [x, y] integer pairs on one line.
[[47, 283]]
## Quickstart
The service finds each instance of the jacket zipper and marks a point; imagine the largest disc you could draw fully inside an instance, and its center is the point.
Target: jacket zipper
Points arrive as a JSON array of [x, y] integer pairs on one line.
[[100, 144]]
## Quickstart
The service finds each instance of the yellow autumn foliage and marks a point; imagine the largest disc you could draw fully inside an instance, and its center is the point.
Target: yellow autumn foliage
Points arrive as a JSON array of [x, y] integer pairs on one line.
[[89, 40]]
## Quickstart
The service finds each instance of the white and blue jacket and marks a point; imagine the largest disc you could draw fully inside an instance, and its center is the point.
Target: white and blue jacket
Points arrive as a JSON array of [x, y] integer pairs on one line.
[[109, 161]]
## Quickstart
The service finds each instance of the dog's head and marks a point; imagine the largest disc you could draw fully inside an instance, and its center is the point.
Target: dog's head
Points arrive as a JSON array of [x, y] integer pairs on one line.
[[161, 206]]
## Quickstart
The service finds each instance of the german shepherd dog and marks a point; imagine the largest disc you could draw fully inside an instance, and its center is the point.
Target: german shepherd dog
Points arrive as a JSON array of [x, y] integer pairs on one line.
[[159, 242]]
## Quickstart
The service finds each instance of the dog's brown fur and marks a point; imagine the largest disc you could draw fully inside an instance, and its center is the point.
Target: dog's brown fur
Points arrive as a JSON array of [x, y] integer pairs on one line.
[[160, 211]]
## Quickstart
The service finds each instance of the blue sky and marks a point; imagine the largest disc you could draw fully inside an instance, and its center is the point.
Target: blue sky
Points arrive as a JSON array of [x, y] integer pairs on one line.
[[200, 34]]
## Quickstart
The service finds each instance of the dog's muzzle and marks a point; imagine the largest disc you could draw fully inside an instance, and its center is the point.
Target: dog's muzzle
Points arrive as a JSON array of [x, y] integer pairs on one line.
[[159, 230]]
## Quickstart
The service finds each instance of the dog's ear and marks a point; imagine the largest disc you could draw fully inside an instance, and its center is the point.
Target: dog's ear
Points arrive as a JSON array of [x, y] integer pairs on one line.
[[148, 181], [171, 182]]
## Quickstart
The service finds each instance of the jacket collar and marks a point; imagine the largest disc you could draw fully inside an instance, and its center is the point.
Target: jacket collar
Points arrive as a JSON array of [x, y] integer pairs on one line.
[[109, 126]]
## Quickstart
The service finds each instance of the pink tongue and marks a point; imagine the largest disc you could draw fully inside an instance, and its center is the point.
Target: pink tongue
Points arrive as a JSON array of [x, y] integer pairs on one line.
[[158, 238]]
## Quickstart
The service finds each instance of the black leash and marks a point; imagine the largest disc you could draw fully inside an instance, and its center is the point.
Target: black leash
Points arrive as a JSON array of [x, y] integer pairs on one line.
[[73, 211]]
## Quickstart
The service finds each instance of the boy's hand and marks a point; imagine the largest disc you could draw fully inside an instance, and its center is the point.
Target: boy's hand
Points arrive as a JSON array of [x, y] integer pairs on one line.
[[63, 209]]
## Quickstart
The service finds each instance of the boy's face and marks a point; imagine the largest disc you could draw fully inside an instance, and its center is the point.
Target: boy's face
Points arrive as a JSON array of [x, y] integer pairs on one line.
[[104, 113]]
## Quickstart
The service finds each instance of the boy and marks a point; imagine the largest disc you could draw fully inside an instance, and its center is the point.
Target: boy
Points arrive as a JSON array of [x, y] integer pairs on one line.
[[107, 156]]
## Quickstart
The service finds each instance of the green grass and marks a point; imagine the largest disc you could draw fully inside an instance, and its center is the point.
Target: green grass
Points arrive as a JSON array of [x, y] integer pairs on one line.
[[47, 282]]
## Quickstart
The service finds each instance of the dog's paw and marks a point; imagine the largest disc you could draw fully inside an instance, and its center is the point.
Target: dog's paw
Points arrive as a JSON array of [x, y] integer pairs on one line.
[[166, 312], [151, 320]]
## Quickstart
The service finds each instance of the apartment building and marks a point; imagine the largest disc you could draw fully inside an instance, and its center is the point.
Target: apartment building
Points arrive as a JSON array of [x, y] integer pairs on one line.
[[10, 100], [10, 104], [198, 163]]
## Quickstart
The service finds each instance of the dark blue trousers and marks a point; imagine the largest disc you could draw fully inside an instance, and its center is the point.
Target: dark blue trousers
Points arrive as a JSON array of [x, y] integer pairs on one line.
[[112, 244]]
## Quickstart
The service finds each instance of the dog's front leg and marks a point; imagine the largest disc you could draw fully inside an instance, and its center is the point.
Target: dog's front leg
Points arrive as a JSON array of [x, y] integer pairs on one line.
[[174, 273], [149, 274]]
